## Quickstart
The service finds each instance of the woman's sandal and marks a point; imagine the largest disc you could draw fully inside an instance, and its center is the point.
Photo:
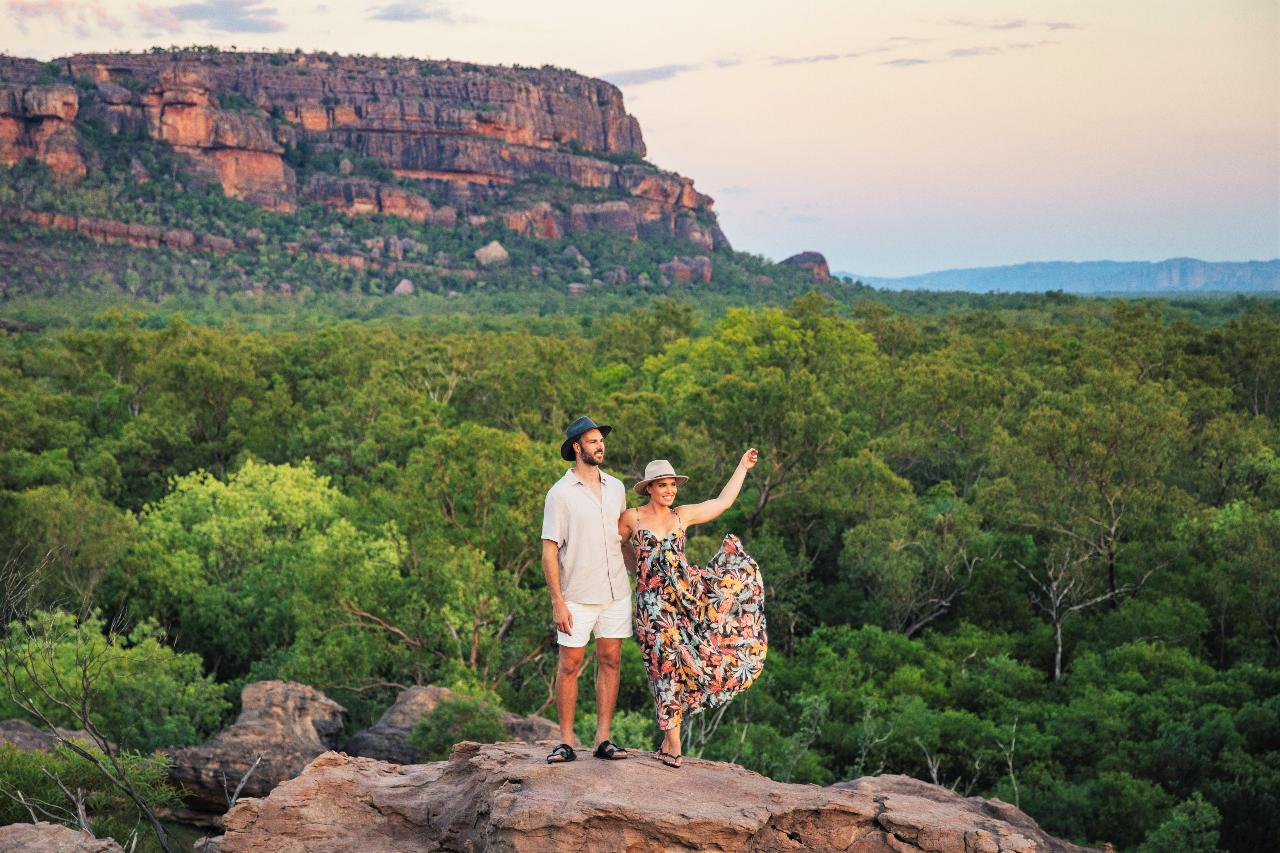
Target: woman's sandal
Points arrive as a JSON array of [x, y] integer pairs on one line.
[[562, 754], [610, 751], [669, 759]]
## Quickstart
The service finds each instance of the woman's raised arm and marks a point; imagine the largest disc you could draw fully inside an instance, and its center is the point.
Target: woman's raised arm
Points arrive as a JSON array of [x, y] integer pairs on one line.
[[692, 514]]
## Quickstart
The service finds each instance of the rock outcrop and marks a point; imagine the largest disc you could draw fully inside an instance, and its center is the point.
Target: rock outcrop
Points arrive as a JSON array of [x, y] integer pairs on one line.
[[36, 121], [52, 838], [686, 270], [357, 196], [814, 262], [388, 739], [492, 254], [27, 737], [287, 724], [504, 797]]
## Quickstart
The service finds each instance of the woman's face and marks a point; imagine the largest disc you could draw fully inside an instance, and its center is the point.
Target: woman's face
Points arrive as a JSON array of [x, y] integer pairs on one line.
[[663, 492]]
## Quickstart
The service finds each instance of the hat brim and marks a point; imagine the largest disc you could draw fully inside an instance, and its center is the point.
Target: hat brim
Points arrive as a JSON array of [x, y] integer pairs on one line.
[[566, 449], [639, 487]]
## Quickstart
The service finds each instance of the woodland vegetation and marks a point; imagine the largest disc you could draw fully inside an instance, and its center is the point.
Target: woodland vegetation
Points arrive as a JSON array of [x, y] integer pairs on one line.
[[1023, 546]]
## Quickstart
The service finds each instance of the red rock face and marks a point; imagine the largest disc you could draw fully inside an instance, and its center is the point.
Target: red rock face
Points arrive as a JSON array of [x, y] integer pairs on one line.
[[466, 129], [237, 149], [35, 121], [356, 196], [444, 123]]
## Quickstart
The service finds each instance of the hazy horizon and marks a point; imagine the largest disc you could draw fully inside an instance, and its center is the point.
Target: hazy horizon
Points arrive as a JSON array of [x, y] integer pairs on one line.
[[896, 141]]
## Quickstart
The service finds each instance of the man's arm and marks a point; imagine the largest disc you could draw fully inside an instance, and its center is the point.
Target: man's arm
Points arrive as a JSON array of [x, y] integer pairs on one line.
[[625, 529], [551, 571]]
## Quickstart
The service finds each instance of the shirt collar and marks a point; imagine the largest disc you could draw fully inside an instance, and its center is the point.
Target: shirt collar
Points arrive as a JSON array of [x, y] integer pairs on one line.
[[569, 475]]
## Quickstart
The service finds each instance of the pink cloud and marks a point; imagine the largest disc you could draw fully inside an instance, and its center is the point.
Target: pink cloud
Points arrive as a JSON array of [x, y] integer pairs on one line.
[[81, 16], [160, 17]]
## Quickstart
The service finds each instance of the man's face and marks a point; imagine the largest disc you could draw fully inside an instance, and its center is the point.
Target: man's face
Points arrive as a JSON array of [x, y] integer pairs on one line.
[[590, 447]]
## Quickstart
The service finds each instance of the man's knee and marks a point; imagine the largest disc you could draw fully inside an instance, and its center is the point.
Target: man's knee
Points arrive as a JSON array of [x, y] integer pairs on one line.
[[608, 655], [570, 662]]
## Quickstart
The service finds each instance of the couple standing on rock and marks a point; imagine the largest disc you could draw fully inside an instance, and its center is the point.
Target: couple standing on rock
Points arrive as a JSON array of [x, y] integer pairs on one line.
[[701, 630]]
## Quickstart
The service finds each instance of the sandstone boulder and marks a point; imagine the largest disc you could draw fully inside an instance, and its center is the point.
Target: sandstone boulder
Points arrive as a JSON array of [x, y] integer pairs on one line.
[[814, 262], [52, 838], [492, 254], [27, 737], [404, 288], [287, 724], [677, 271], [388, 739], [574, 256], [937, 818], [504, 797], [701, 268]]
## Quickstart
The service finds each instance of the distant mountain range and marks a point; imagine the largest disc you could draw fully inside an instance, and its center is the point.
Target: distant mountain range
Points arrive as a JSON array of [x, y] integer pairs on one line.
[[1176, 275]]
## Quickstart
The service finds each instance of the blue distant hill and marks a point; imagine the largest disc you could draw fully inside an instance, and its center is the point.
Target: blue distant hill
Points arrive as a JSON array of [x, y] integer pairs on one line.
[[1176, 275]]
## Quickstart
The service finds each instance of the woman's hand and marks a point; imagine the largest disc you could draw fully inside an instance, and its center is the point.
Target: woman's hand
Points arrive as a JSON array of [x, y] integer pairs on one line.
[[749, 459]]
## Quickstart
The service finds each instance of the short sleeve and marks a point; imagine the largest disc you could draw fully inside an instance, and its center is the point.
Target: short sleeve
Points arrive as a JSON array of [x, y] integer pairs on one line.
[[553, 520]]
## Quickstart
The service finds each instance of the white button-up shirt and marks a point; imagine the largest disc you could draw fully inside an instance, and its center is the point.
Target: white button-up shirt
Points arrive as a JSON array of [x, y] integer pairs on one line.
[[585, 529]]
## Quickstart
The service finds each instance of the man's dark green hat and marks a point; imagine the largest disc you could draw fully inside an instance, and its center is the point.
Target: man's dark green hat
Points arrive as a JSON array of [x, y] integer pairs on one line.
[[576, 429]]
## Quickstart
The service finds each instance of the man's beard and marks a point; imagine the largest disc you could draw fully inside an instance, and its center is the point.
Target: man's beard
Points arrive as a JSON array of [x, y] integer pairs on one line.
[[588, 459]]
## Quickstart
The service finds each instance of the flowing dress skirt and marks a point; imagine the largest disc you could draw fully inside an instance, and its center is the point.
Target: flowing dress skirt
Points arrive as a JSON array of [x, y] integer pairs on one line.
[[701, 630]]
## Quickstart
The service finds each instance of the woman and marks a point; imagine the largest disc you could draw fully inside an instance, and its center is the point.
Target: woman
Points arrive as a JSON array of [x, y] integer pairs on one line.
[[701, 630]]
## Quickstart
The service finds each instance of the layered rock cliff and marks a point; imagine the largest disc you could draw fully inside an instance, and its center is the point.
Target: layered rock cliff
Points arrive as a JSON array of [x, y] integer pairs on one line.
[[460, 133]]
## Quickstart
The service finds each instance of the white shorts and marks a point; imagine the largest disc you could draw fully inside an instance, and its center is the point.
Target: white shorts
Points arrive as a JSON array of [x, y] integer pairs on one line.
[[607, 621]]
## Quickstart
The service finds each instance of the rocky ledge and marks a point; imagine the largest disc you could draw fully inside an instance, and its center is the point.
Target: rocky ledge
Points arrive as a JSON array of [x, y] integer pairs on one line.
[[52, 838], [504, 797]]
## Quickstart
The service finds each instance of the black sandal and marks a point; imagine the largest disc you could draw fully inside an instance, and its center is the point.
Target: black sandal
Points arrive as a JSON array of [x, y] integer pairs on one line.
[[669, 759], [610, 751], [562, 754]]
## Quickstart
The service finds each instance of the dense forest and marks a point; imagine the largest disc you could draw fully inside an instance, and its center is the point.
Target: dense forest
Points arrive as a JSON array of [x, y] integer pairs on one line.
[[1020, 546]]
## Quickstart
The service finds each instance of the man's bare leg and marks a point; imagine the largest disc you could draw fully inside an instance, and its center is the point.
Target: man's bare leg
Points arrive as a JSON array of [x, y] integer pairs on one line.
[[608, 667], [567, 689]]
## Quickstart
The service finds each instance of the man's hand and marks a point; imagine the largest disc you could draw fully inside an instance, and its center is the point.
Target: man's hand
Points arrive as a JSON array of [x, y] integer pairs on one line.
[[562, 617]]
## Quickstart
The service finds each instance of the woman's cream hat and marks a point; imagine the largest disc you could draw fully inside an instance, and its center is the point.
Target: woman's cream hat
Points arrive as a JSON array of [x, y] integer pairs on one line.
[[657, 470]]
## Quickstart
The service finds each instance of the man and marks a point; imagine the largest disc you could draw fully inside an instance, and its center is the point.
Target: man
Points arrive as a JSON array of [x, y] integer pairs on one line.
[[590, 590]]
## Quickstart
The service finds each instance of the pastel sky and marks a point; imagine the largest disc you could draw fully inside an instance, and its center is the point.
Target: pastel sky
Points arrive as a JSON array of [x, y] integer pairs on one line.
[[894, 137]]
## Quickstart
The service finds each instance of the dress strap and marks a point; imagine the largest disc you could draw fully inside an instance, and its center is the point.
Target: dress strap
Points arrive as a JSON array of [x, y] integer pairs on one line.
[[679, 520]]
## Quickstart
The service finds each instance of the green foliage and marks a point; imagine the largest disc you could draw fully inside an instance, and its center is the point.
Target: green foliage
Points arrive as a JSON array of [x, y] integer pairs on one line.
[[235, 569], [36, 774], [454, 720], [1022, 546], [1192, 827], [141, 694]]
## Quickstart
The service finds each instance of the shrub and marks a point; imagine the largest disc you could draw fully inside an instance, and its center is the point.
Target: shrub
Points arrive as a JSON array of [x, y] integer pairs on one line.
[[455, 720], [36, 775], [142, 694]]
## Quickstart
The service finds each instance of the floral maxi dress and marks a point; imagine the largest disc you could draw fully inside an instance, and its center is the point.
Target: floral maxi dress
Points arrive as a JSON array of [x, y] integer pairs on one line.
[[701, 630]]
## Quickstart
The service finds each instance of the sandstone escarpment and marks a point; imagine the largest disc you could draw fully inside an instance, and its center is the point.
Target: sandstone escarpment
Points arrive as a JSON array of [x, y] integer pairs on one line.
[[505, 797], [469, 132]]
